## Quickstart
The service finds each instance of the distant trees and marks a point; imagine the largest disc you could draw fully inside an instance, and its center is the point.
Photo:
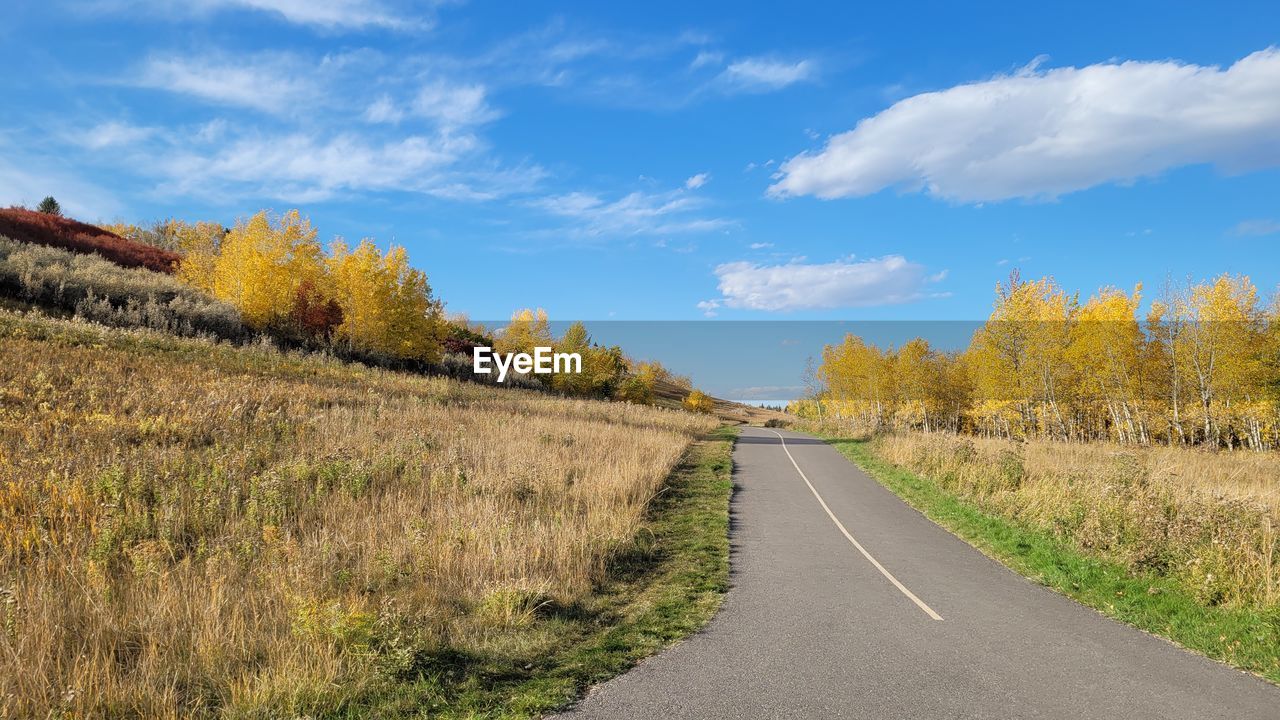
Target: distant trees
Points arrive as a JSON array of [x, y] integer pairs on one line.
[[606, 370], [1203, 367], [698, 401], [49, 206]]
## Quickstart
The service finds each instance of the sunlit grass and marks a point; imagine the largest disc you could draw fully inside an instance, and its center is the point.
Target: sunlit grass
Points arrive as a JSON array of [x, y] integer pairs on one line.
[[1243, 634], [188, 528]]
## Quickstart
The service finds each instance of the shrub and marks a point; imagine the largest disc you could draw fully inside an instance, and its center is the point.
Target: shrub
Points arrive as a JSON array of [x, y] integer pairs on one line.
[[698, 401], [635, 390], [54, 231], [101, 291]]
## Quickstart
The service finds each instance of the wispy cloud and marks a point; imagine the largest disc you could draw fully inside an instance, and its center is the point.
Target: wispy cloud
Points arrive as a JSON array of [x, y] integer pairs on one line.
[[383, 110], [697, 181], [1256, 228], [767, 392], [302, 167], [329, 15], [453, 105], [271, 83], [1043, 133], [798, 285], [637, 213], [707, 58], [110, 134], [765, 74]]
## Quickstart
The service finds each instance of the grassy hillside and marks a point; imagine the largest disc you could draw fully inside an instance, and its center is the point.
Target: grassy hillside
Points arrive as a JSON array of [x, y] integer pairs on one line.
[[59, 232], [190, 529]]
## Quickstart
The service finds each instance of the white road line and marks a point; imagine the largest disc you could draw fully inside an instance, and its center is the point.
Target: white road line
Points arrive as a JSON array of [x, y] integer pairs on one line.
[[888, 575]]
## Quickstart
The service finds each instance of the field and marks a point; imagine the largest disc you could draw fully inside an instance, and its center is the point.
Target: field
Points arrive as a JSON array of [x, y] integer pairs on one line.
[[1206, 520], [193, 529]]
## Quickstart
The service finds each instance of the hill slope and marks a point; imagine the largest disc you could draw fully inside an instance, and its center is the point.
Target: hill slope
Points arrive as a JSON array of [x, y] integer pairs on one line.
[[190, 529], [56, 231]]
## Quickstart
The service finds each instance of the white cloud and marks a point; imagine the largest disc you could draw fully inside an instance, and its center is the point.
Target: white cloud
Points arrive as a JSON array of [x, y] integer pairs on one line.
[[1256, 228], [270, 83], [112, 134], [841, 284], [706, 57], [302, 168], [766, 392], [325, 14], [763, 74], [1043, 133], [697, 181], [453, 105], [383, 110], [760, 245], [637, 213]]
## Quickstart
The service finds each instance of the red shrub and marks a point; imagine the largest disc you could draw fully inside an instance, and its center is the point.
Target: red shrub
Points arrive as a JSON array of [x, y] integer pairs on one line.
[[55, 231]]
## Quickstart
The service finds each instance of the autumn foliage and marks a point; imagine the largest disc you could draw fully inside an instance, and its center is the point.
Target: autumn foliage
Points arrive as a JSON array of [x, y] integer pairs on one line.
[[1200, 368], [698, 401], [269, 275], [60, 232], [276, 273]]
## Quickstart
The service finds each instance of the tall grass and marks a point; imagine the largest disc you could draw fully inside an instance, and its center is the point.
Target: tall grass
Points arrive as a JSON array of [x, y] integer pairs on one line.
[[100, 290], [190, 529], [1205, 519]]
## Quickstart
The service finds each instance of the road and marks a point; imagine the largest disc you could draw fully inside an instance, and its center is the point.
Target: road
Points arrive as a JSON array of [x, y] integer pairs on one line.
[[898, 619]]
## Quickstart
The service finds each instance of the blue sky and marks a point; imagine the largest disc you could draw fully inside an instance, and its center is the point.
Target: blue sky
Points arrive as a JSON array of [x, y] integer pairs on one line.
[[676, 161]]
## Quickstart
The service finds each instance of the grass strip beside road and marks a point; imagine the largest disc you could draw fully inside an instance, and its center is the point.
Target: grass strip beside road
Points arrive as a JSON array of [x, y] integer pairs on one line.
[[666, 585], [1243, 638]]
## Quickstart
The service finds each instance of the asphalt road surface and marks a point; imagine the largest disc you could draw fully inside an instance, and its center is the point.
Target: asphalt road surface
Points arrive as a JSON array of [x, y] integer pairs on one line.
[[846, 603]]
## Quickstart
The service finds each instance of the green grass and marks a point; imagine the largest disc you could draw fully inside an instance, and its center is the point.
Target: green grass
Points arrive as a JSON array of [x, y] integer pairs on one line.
[[664, 586], [1245, 638]]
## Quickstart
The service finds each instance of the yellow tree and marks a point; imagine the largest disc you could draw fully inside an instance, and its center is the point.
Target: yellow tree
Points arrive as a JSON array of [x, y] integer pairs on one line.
[[528, 329], [698, 401], [262, 265], [200, 244], [1220, 349], [1021, 350], [600, 367], [1106, 351], [387, 306], [859, 379], [951, 391], [915, 379]]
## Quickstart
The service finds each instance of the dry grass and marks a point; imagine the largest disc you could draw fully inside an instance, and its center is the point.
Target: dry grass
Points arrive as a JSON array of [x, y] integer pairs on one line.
[[191, 529], [1206, 519], [97, 289]]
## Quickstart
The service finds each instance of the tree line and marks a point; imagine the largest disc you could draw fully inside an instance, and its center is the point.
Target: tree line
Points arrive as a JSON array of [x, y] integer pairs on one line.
[[365, 302], [1201, 367]]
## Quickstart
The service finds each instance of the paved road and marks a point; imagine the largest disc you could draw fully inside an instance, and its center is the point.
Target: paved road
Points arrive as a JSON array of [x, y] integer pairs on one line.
[[813, 628]]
